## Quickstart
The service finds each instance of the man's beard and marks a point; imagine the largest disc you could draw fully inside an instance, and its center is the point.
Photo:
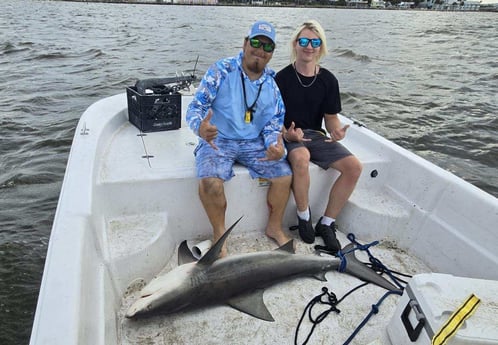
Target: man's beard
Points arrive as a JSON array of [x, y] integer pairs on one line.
[[255, 67]]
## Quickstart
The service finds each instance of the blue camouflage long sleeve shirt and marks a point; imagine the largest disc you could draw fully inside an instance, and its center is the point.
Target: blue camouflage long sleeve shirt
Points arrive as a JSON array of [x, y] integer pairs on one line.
[[221, 90]]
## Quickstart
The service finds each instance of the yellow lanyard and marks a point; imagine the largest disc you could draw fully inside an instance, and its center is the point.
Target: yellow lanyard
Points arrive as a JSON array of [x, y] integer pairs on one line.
[[248, 116]]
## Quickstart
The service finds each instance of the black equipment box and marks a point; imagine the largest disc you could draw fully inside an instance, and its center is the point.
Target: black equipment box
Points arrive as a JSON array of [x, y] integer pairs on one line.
[[154, 112], [157, 111]]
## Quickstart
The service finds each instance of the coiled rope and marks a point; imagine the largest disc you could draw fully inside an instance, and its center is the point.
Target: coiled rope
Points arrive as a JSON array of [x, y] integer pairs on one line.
[[330, 299]]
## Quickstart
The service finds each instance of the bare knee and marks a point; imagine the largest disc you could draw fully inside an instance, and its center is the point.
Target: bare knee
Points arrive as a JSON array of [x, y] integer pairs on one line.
[[350, 167], [300, 161], [301, 166], [211, 186], [355, 168]]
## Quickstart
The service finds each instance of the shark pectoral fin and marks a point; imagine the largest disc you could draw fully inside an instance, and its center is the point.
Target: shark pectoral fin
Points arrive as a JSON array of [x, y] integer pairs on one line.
[[252, 304], [214, 252], [288, 247], [185, 256]]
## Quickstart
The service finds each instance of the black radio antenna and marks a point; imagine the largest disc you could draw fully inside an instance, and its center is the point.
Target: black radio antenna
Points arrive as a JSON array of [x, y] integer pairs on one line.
[[195, 66]]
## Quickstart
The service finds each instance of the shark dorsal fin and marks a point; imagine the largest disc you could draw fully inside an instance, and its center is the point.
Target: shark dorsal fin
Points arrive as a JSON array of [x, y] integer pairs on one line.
[[288, 247], [252, 304], [213, 253], [185, 256]]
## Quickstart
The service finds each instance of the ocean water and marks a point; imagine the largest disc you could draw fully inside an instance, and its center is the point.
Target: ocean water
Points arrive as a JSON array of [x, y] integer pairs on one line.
[[426, 80]]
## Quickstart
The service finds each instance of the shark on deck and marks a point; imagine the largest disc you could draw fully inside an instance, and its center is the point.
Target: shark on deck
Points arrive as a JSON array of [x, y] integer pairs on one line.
[[238, 280]]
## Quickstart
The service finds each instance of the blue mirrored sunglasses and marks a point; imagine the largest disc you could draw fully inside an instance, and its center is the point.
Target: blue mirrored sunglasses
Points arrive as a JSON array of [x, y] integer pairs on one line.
[[315, 42]]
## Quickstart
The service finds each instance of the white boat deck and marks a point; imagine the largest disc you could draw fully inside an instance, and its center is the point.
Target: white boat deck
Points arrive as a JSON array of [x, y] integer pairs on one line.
[[286, 301], [121, 216]]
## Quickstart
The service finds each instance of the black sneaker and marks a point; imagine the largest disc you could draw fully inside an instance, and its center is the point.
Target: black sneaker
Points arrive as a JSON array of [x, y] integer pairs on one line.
[[306, 231], [332, 244]]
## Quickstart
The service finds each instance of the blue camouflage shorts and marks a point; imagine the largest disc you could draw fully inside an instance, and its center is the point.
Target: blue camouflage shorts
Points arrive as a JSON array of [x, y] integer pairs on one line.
[[219, 163]]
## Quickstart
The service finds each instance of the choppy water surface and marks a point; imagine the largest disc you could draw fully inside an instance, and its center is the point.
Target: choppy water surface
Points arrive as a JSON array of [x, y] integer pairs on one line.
[[427, 80]]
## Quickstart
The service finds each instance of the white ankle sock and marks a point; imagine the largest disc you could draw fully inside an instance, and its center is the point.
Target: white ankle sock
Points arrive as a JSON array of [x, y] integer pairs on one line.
[[327, 220], [304, 215]]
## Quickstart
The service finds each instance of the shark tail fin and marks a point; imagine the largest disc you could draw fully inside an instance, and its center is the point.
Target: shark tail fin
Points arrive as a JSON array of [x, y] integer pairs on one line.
[[358, 269], [213, 253]]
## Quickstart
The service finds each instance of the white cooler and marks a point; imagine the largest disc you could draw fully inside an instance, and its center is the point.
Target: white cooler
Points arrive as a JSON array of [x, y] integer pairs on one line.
[[430, 299]]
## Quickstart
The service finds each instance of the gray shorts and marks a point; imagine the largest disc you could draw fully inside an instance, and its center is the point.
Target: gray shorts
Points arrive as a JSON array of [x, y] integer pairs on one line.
[[322, 153]]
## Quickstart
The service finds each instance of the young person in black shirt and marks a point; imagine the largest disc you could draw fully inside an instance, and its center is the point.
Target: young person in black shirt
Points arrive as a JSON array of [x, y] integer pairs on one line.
[[311, 97]]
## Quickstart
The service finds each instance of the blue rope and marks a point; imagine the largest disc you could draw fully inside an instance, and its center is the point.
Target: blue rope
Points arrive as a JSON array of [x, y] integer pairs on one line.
[[344, 261], [373, 311], [376, 263], [328, 298], [358, 246]]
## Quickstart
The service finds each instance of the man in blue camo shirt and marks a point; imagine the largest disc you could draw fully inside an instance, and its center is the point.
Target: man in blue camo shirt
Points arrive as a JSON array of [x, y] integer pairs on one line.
[[238, 113]]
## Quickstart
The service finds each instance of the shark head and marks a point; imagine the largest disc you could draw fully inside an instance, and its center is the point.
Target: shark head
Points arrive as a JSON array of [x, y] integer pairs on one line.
[[167, 291]]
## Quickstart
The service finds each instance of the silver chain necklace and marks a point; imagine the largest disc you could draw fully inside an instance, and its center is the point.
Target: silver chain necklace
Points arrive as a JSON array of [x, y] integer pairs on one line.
[[299, 79]]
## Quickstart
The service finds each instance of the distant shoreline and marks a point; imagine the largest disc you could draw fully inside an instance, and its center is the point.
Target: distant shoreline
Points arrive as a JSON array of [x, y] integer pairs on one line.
[[483, 8]]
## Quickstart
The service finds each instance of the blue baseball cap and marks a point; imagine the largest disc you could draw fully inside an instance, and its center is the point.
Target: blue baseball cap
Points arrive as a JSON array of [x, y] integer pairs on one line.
[[262, 28]]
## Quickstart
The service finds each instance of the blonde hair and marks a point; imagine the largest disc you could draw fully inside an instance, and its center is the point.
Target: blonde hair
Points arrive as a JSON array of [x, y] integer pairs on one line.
[[314, 26]]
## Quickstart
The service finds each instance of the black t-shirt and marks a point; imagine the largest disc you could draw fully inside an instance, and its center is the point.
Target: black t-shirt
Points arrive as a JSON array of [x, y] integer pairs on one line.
[[306, 106]]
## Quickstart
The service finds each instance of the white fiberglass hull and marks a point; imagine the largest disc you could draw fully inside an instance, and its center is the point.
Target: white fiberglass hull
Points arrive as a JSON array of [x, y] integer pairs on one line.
[[127, 201]]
